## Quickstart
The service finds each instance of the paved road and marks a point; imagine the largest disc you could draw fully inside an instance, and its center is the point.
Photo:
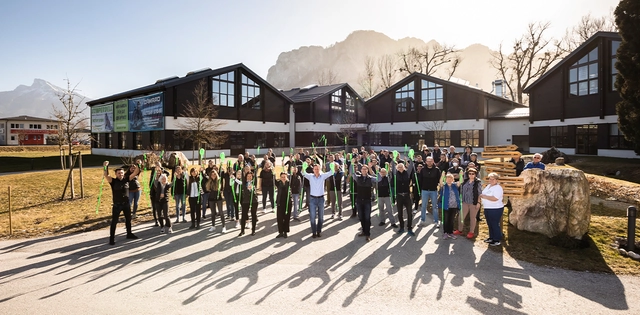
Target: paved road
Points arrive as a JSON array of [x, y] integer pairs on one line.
[[198, 272]]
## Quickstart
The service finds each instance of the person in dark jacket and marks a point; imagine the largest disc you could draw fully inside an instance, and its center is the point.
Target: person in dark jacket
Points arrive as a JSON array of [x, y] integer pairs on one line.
[[267, 182], [449, 199], [435, 154], [179, 189], [226, 173], [429, 182], [249, 202], [296, 186], [215, 186], [385, 207], [285, 204], [134, 188], [119, 186], [401, 185], [193, 191], [162, 191], [363, 202]]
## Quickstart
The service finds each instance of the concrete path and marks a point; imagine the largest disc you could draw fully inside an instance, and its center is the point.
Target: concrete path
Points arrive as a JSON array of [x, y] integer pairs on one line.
[[199, 272]]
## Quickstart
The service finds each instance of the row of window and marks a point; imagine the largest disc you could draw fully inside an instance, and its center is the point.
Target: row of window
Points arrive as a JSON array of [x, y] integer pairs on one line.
[[431, 97], [25, 137], [583, 75], [223, 87], [560, 136], [31, 126], [441, 138]]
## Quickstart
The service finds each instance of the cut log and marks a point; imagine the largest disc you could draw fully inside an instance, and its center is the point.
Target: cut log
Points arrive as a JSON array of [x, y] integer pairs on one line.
[[499, 164], [502, 171], [506, 179], [501, 154], [499, 148]]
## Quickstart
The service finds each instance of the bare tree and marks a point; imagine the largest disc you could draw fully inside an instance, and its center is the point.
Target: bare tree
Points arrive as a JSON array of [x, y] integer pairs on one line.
[[587, 26], [326, 77], [367, 80], [200, 125], [437, 126], [71, 120], [532, 56], [387, 70], [430, 59]]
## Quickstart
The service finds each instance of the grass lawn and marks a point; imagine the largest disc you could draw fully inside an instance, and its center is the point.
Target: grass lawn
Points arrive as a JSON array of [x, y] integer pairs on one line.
[[606, 166]]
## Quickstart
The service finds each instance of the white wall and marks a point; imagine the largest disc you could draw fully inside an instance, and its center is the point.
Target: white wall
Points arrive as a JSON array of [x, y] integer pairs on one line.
[[465, 124], [576, 121], [500, 132], [233, 125]]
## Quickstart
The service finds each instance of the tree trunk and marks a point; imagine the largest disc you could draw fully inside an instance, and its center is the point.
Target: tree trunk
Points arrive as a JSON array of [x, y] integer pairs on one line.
[[73, 192]]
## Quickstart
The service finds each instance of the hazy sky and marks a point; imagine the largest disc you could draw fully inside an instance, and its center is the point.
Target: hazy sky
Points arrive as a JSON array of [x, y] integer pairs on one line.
[[113, 46]]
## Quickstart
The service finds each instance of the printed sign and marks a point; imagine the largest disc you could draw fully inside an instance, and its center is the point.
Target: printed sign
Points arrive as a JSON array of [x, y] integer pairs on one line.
[[146, 113], [121, 116], [102, 118]]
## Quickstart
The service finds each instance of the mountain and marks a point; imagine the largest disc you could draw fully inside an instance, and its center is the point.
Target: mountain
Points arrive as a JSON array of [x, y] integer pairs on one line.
[[302, 66], [35, 100]]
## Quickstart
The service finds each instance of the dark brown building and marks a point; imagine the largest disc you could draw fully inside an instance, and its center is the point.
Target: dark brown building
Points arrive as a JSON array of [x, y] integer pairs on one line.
[[573, 105]]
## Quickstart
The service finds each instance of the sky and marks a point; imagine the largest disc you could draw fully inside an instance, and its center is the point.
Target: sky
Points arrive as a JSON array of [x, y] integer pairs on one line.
[[108, 47]]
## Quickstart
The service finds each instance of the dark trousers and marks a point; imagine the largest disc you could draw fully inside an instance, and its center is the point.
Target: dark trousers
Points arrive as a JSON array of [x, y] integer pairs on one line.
[[154, 211], [449, 218], [115, 216], [404, 201], [194, 211], [493, 217], [364, 214], [416, 198], [283, 215], [163, 213], [245, 216], [216, 208], [267, 192]]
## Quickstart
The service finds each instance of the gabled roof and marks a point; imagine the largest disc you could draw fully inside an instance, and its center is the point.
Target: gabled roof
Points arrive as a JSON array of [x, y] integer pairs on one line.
[[577, 51], [429, 78], [314, 92], [518, 112], [25, 118], [163, 84]]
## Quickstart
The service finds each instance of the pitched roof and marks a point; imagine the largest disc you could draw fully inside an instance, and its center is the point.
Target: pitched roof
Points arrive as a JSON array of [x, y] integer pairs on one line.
[[312, 92], [25, 118], [412, 76], [163, 84], [518, 112], [612, 35]]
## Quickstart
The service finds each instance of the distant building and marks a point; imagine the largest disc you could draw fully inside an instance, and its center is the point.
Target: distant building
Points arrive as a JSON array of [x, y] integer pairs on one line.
[[573, 105], [27, 130]]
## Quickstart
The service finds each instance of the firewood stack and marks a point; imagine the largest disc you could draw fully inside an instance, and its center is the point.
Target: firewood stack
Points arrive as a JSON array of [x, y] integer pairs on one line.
[[512, 186]]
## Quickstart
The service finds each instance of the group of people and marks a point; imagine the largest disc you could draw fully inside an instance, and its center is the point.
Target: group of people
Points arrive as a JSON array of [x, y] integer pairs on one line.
[[446, 178]]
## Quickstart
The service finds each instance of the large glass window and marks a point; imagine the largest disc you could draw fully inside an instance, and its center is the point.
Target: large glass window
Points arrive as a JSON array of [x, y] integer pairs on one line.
[[395, 138], [123, 140], [470, 137], [614, 72], [261, 139], [583, 75], [560, 137], [616, 138], [376, 138], [279, 140], [223, 89], [404, 99], [250, 93], [108, 141], [442, 137], [138, 140], [337, 114], [432, 95], [155, 140]]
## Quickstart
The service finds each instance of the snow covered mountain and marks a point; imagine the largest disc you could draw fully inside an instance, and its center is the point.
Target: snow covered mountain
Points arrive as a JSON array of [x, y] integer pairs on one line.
[[35, 100]]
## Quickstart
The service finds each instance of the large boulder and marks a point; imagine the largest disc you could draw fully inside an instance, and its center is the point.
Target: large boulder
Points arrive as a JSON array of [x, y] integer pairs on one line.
[[555, 202], [552, 154], [174, 159]]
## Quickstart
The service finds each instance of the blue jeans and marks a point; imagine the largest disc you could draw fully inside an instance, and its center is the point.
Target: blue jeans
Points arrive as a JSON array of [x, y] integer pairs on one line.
[[204, 200], [426, 194], [316, 208], [296, 202], [493, 217], [134, 197], [364, 214], [231, 207], [180, 205]]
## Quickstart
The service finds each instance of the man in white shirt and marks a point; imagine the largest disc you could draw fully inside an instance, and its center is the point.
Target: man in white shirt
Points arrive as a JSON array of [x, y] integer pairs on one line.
[[316, 202]]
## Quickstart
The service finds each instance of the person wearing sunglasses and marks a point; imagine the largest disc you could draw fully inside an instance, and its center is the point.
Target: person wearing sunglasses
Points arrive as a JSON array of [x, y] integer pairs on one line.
[[471, 191], [536, 163], [493, 209]]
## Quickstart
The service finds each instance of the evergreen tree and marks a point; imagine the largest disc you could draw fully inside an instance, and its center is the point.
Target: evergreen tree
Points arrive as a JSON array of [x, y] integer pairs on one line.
[[628, 79]]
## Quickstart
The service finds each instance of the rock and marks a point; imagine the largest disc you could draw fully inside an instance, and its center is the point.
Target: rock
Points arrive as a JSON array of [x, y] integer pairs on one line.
[[623, 252], [555, 202], [170, 159], [560, 161], [634, 255], [552, 154]]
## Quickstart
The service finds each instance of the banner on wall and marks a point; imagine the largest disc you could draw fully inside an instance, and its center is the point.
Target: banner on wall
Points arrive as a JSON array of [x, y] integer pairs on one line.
[[146, 113], [102, 118], [121, 116]]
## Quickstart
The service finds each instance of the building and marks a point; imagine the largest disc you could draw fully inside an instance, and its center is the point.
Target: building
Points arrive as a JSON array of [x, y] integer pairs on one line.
[[254, 113], [573, 105], [422, 109], [27, 130]]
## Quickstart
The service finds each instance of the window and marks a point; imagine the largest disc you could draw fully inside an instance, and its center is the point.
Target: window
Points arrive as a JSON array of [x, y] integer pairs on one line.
[[470, 137], [21, 126], [404, 99], [417, 137], [376, 138], [351, 103], [236, 140], [108, 141], [279, 140], [223, 89], [13, 138], [123, 140], [583, 75], [138, 140], [156, 140], [432, 95], [616, 138], [560, 137], [338, 116], [442, 137], [250, 93], [261, 139], [395, 138], [614, 72]]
